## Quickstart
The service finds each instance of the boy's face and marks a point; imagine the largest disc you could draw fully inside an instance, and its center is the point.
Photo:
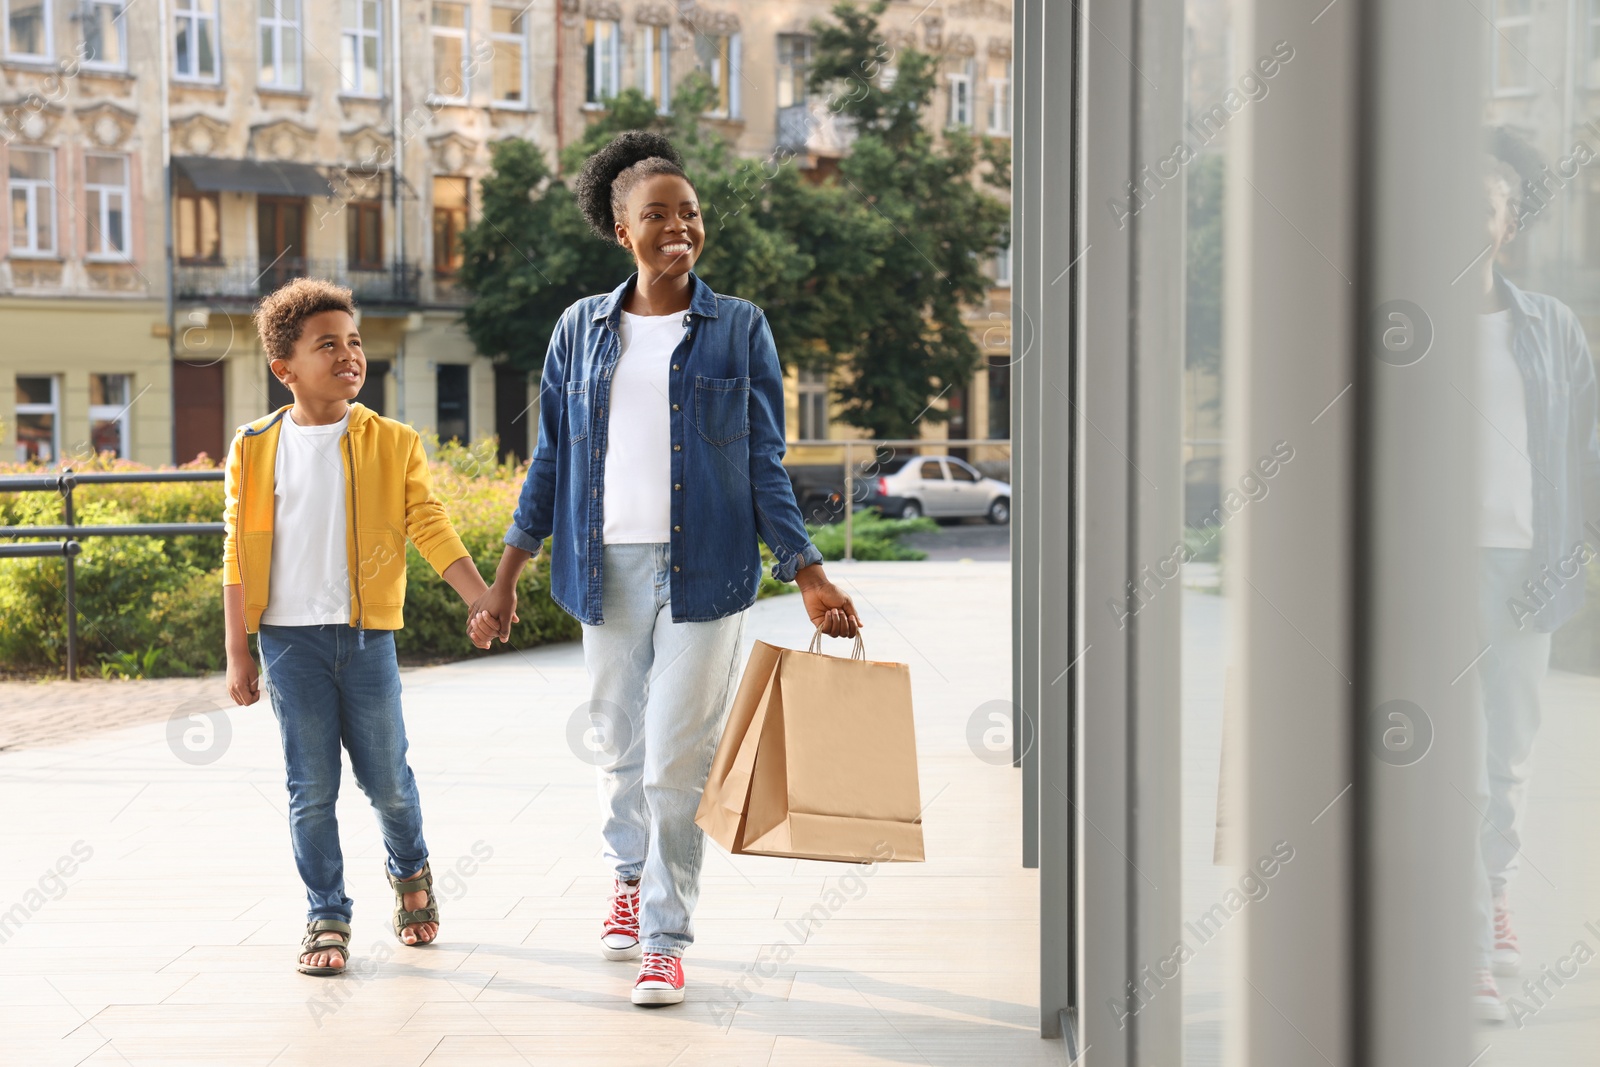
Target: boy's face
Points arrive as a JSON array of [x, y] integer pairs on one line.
[[327, 363]]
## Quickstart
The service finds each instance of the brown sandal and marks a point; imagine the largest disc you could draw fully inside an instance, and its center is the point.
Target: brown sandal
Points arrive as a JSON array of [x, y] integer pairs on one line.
[[319, 938], [428, 913]]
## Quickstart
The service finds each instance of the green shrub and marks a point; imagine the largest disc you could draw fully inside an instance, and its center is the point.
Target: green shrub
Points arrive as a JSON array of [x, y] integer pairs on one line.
[[875, 537]]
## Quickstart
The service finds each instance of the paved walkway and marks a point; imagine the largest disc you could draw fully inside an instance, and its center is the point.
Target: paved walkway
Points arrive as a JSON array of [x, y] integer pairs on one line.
[[149, 904], [56, 712]]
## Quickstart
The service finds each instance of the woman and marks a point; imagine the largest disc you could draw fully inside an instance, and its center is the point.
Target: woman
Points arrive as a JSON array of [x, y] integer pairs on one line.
[[659, 463]]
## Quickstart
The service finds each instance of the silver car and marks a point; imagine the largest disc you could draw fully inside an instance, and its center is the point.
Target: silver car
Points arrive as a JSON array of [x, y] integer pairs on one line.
[[940, 487]]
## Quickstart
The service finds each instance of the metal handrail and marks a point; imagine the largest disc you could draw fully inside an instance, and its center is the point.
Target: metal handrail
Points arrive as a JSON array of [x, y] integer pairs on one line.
[[64, 483]]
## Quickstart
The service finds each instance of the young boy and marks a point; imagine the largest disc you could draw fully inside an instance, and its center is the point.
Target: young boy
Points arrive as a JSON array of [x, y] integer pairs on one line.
[[320, 498]]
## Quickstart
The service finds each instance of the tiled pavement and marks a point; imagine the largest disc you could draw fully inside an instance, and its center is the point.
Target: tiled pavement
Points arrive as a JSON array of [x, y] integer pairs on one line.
[[170, 941]]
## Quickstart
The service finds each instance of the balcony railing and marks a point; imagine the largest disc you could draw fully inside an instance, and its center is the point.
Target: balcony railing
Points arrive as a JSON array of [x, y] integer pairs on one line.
[[814, 128], [250, 279]]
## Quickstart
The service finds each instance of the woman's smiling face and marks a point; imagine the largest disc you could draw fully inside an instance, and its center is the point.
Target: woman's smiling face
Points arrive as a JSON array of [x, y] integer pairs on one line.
[[663, 228]]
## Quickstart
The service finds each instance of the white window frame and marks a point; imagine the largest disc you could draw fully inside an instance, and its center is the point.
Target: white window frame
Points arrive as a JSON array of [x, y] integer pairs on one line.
[[352, 42], [605, 82], [808, 386], [1503, 23], [53, 409], [1000, 104], [462, 33], [1002, 267], [117, 413], [40, 197], [961, 95], [523, 41], [98, 216], [784, 75], [198, 18], [120, 23], [49, 34], [280, 28], [734, 74], [655, 65]]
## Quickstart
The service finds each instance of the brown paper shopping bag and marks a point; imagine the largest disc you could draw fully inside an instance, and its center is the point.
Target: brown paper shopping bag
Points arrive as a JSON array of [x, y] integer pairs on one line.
[[818, 760]]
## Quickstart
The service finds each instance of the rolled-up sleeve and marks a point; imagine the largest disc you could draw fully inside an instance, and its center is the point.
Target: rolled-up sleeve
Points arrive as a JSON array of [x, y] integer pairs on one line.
[[778, 518], [534, 517]]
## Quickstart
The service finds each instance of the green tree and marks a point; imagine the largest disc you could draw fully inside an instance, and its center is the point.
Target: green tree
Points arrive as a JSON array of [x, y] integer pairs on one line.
[[939, 226], [867, 272], [1203, 269]]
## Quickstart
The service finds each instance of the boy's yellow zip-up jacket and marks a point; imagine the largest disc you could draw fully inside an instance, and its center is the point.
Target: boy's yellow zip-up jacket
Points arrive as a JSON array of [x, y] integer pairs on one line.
[[388, 499]]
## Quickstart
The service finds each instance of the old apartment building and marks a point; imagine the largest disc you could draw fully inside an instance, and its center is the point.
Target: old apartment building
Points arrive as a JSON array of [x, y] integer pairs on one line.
[[169, 161]]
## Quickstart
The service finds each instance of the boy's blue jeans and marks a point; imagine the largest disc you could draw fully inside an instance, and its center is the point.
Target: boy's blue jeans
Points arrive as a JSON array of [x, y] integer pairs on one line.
[[327, 691]]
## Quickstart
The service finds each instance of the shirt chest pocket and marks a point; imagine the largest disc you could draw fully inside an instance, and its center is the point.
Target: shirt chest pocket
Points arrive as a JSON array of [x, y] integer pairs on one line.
[[722, 408], [577, 410]]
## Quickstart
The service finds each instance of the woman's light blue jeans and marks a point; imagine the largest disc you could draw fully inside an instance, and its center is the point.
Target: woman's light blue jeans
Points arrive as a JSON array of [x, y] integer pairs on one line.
[[326, 690], [662, 690]]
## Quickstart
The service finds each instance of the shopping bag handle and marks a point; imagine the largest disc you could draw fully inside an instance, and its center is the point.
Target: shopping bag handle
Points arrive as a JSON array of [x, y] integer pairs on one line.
[[857, 651]]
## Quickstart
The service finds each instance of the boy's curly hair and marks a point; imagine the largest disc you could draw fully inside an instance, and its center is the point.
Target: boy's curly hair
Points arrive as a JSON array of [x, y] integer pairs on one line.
[[282, 313], [610, 174]]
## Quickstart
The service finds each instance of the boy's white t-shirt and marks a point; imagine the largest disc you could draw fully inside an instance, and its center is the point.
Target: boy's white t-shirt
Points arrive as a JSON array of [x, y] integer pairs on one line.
[[638, 474], [1505, 512], [310, 580]]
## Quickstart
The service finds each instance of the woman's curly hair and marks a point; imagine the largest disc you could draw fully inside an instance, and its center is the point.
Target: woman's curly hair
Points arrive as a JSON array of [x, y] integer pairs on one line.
[[610, 174]]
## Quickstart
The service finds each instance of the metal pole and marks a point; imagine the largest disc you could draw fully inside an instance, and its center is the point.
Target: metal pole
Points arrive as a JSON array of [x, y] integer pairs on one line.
[[849, 504], [72, 583]]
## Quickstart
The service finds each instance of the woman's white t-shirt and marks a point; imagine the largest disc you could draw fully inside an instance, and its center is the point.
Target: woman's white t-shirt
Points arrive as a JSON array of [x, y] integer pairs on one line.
[[310, 580], [638, 474]]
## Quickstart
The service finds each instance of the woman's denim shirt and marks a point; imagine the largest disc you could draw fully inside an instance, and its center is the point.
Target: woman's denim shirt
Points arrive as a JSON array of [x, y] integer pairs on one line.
[[728, 481]]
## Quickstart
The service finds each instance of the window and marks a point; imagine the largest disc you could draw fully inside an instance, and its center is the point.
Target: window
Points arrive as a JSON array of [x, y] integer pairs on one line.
[[960, 472], [364, 231], [449, 219], [452, 25], [961, 94], [794, 64], [719, 58], [38, 418], [1000, 95], [450, 405], [361, 48], [105, 35], [106, 187], [195, 46], [108, 413], [280, 44], [1508, 45], [198, 230], [931, 471], [33, 207], [813, 391], [1591, 44], [509, 31], [28, 29], [655, 65], [602, 40], [1002, 266]]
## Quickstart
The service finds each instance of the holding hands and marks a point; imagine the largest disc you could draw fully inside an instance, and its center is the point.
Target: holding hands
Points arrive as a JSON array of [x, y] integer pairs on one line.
[[492, 614]]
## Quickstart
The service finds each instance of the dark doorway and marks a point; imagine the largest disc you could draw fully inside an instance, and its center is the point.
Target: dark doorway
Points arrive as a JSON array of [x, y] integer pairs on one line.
[[511, 410], [371, 394], [281, 240], [956, 428], [450, 414], [197, 412]]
